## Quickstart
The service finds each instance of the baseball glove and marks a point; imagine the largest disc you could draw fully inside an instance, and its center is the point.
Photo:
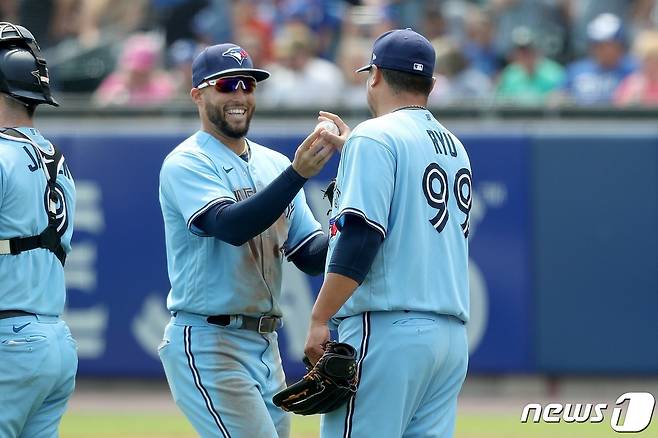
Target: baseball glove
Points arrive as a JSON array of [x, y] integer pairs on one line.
[[326, 386]]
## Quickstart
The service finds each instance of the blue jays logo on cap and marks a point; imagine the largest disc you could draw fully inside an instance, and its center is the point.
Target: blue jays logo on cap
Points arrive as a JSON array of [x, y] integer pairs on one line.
[[224, 60], [403, 50], [237, 53]]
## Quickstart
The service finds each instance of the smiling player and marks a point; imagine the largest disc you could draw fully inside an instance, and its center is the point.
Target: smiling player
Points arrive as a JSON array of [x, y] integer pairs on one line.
[[232, 209]]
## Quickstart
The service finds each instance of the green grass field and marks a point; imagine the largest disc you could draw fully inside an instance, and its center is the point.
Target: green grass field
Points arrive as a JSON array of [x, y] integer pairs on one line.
[[167, 425]]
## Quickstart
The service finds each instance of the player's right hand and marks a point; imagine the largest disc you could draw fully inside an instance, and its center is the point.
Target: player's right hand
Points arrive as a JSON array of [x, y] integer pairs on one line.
[[312, 155], [336, 141]]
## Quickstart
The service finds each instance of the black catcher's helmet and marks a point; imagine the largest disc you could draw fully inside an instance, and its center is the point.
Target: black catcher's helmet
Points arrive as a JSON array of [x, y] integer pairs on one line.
[[23, 71]]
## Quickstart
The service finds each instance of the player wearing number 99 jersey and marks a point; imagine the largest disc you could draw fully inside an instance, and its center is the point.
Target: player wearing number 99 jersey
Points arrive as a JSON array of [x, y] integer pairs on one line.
[[396, 283], [409, 178]]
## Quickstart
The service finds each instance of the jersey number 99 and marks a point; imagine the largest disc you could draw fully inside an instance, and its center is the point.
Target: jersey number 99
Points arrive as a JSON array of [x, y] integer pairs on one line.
[[437, 197]]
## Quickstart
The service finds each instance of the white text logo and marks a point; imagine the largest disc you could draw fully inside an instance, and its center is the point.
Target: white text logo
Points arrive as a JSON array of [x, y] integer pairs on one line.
[[637, 416]]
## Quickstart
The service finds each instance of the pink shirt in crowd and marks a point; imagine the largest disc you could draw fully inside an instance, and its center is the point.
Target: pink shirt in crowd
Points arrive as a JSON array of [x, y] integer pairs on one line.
[[637, 89]]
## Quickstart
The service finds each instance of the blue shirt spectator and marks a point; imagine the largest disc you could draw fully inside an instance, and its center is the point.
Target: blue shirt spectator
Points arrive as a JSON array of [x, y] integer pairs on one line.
[[588, 82], [323, 17], [583, 12], [593, 80], [478, 46]]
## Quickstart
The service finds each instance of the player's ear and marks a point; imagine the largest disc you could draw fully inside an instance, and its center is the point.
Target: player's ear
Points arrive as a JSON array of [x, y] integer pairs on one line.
[[433, 84], [195, 94], [375, 76]]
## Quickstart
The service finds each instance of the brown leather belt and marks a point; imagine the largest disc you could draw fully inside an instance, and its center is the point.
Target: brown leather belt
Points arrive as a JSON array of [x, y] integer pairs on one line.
[[263, 324]]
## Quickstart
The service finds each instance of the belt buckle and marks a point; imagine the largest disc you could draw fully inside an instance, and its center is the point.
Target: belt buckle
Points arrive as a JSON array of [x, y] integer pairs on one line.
[[266, 324], [5, 247]]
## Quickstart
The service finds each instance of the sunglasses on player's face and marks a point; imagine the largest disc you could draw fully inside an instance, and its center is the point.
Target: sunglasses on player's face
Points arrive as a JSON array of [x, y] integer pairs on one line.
[[230, 84]]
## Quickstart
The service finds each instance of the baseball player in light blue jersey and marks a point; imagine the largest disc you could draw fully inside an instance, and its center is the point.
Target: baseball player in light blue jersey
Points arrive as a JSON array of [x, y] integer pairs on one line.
[[233, 210], [38, 359], [396, 282]]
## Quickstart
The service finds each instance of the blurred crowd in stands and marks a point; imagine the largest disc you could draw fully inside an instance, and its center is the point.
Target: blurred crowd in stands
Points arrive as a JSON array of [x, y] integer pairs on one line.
[[497, 52]]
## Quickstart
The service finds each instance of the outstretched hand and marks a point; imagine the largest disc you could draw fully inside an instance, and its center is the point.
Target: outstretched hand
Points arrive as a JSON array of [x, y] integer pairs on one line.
[[312, 155], [337, 141]]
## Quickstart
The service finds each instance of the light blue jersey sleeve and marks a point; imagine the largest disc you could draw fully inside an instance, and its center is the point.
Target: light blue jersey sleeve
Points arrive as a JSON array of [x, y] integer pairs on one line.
[[367, 182], [192, 184], [303, 226]]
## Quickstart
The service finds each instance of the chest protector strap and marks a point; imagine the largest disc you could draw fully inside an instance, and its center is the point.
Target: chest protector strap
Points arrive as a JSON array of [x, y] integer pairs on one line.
[[50, 238]]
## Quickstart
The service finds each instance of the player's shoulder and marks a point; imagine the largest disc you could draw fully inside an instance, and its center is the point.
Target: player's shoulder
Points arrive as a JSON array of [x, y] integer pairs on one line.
[[377, 133], [7, 148], [188, 149], [373, 128], [11, 146], [189, 153], [10, 141]]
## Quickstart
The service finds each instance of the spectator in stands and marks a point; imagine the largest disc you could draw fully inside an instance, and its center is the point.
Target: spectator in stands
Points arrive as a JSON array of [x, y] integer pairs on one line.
[[582, 12], [405, 13], [641, 87], [252, 31], [478, 46], [530, 77], [86, 20], [260, 51], [545, 17], [354, 54], [180, 56], [137, 80], [299, 77], [190, 19], [593, 80], [215, 23], [645, 15], [456, 80], [367, 21], [322, 17]]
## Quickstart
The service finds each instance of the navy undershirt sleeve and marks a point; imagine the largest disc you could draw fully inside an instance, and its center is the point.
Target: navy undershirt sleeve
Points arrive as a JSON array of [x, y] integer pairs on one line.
[[311, 257], [355, 249], [235, 223]]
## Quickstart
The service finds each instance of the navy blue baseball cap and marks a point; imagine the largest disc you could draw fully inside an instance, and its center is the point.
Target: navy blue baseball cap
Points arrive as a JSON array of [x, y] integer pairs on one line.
[[403, 50], [224, 60]]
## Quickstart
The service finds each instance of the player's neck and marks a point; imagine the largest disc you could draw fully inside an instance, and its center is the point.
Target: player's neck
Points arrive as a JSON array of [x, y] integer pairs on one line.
[[237, 145], [10, 117], [393, 103]]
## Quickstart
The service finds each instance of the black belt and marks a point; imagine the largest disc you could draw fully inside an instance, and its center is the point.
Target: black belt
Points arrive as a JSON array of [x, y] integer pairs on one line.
[[263, 324], [13, 313]]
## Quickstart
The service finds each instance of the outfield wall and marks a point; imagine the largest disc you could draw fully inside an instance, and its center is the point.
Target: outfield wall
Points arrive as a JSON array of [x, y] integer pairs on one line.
[[564, 247]]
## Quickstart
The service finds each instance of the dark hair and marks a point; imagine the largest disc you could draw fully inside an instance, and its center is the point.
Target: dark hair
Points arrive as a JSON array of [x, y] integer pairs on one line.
[[402, 82]]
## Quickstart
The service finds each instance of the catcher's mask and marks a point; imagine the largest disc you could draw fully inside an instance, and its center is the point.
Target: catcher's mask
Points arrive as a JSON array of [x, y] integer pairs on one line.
[[23, 71]]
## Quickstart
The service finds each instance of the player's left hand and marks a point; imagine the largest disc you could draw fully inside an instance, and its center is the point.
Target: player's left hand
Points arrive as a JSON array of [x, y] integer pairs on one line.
[[337, 141], [317, 337]]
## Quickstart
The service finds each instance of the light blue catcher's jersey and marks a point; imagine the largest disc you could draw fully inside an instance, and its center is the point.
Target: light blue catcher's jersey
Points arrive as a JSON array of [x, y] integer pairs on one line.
[[410, 179], [209, 276], [32, 281]]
